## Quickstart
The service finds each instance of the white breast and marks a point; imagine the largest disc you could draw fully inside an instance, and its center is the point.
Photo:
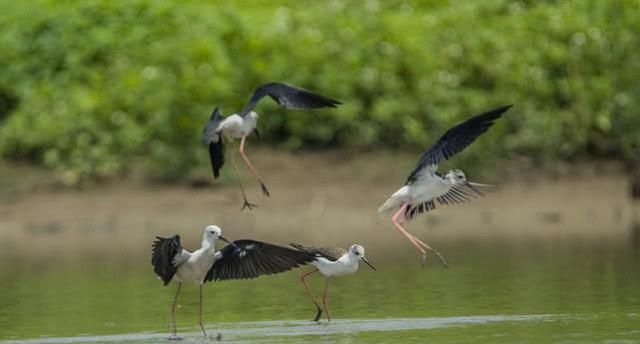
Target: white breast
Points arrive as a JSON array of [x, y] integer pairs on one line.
[[342, 266], [428, 187], [236, 127], [196, 268]]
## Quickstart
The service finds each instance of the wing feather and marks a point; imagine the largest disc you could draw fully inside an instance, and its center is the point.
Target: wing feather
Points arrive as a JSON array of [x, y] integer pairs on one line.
[[289, 97], [456, 140], [165, 253], [244, 259], [329, 253]]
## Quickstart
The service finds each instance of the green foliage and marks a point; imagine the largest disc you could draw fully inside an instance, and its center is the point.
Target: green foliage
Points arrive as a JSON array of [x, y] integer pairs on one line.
[[90, 88]]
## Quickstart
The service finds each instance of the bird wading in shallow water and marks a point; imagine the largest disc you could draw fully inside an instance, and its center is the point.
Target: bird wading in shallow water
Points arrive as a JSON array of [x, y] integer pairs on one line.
[[425, 186], [242, 124], [240, 259], [331, 262]]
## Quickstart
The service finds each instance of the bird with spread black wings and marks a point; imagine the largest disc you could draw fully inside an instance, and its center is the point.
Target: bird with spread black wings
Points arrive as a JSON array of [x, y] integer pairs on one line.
[[242, 124], [425, 186], [240, 259]]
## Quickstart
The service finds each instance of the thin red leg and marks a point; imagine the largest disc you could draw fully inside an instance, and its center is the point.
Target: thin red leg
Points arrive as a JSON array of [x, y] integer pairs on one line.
[[244, 196], [306, 286], [415, 241], [324, 297], [173, 310], [200, 314], [253, 169]]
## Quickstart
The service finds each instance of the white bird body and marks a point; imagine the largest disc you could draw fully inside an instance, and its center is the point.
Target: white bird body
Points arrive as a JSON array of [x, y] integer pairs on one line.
[[237, 127], [347, 264], [427, 187], [193, 266]]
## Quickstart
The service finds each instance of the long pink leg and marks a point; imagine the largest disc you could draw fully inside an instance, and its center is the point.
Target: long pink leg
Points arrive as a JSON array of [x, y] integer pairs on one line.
[[306, 286], [200, 315], [244, 196], [403, 231], [324, 297], [419, 244], [253, 169], [173, 311]]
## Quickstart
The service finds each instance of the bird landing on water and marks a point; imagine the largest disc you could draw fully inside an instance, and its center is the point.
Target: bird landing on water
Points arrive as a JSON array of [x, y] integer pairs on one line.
[[425, 186]]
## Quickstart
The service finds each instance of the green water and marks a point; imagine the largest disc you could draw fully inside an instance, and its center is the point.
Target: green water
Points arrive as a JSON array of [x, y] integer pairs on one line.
[[566, 290]]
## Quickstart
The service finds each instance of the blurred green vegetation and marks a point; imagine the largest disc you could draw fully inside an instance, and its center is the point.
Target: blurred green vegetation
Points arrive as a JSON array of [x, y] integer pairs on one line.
[[92, 88]]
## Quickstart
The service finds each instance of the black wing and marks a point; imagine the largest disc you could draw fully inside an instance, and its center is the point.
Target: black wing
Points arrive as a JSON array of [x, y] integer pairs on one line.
[[164, 250], [457, 139], [244, 259], [289, 97], [456, 194], [331, 254], [213, 137]]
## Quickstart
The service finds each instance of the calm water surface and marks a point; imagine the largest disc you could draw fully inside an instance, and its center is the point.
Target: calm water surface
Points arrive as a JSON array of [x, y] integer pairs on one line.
[[564, 290]]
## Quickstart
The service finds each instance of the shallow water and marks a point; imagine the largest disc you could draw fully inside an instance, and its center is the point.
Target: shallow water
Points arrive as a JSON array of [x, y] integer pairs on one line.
[[565, 290], [541, 261]]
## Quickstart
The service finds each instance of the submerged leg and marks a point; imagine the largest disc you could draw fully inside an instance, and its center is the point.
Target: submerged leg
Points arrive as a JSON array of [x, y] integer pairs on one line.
[[200, 314], [419, 244], [253, 170], [173, 312], [306, 286], [244, 196], [324, 297]]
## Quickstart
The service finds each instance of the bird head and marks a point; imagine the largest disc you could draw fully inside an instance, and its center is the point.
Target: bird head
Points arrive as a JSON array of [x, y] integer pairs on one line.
[[213, 233], [456, 176], [358, 251]]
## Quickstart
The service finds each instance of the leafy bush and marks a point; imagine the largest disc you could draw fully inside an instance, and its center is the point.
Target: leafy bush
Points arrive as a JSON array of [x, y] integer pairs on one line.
[[91, 88]]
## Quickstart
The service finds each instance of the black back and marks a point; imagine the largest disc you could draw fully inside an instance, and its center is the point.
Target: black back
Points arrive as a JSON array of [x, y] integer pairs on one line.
[[163, 251], [244, 259]]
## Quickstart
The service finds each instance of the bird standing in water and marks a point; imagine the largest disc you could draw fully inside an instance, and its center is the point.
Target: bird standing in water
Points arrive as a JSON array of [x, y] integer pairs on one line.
[[241, 259], [331, 262], [425, 186], [242, 124]]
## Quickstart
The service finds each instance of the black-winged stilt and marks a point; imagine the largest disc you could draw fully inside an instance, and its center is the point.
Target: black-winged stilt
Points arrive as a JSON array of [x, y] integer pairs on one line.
[[240, 125], [331, 262], [424, 185], [241, 259]]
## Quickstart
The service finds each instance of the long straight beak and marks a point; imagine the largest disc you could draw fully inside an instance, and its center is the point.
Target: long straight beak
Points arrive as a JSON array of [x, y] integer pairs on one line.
[[224, 239], [475, 186], [368, 263], [480, 185]]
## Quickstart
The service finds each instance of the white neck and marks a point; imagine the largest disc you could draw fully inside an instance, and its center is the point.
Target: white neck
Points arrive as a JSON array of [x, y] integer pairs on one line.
[[207, 244]]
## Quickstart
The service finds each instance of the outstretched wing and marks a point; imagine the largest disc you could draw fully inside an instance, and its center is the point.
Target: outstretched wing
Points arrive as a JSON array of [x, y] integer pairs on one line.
[[456, 139], [166, 254], [460, 193], [244, 259], [290, 97], [329, 253], [213, 137]]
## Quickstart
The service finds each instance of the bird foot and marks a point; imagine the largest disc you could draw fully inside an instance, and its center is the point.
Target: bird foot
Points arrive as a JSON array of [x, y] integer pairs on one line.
[[265, 191], [442, 260], [175, 337], [423, 259], [248, 205], [318, 315]]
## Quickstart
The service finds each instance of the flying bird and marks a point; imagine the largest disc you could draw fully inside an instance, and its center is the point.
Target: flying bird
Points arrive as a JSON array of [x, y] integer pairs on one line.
[[331, 262], [425, 186], [240, 259], [242, 124]]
